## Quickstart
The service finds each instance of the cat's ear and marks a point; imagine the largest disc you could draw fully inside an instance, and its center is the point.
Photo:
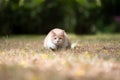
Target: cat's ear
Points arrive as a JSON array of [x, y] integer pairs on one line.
[[63, 32], [53, 33]]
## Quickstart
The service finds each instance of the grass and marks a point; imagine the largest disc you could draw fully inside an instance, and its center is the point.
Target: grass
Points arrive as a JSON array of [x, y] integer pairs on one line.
[[96, 57]]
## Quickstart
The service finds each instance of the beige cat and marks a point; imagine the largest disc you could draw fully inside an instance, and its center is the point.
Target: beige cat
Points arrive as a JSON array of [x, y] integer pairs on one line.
[[57, 39]]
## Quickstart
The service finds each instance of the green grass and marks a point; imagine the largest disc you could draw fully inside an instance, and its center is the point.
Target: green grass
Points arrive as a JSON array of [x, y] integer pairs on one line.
[[96, 57]]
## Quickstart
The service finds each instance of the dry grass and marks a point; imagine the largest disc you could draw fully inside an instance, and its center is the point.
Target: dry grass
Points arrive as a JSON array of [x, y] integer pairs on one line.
[[94, 58]]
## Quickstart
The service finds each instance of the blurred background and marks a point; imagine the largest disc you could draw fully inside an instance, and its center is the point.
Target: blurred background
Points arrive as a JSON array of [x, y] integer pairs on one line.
[[75, 16]]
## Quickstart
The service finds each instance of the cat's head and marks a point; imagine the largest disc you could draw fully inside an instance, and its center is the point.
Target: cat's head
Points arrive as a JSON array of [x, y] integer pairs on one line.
[[58, 38]]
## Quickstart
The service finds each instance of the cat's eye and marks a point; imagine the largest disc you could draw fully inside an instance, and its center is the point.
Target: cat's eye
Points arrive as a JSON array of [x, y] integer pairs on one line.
[[55, 38], [60, 38]]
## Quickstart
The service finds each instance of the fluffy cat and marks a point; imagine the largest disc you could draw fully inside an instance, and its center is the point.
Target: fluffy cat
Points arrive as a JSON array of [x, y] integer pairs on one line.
[[57, 39]]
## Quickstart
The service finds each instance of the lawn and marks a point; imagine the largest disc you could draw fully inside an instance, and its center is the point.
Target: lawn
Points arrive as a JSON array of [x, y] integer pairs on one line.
[[95, 57]]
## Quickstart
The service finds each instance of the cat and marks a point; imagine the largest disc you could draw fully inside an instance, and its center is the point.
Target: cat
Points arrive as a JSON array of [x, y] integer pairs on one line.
[[57, 39]]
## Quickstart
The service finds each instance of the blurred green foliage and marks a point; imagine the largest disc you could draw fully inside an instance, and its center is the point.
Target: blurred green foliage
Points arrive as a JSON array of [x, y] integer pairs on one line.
[[75, 16]]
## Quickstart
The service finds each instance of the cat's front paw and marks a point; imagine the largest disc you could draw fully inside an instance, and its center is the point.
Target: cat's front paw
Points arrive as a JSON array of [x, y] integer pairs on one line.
[[52, 49]]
